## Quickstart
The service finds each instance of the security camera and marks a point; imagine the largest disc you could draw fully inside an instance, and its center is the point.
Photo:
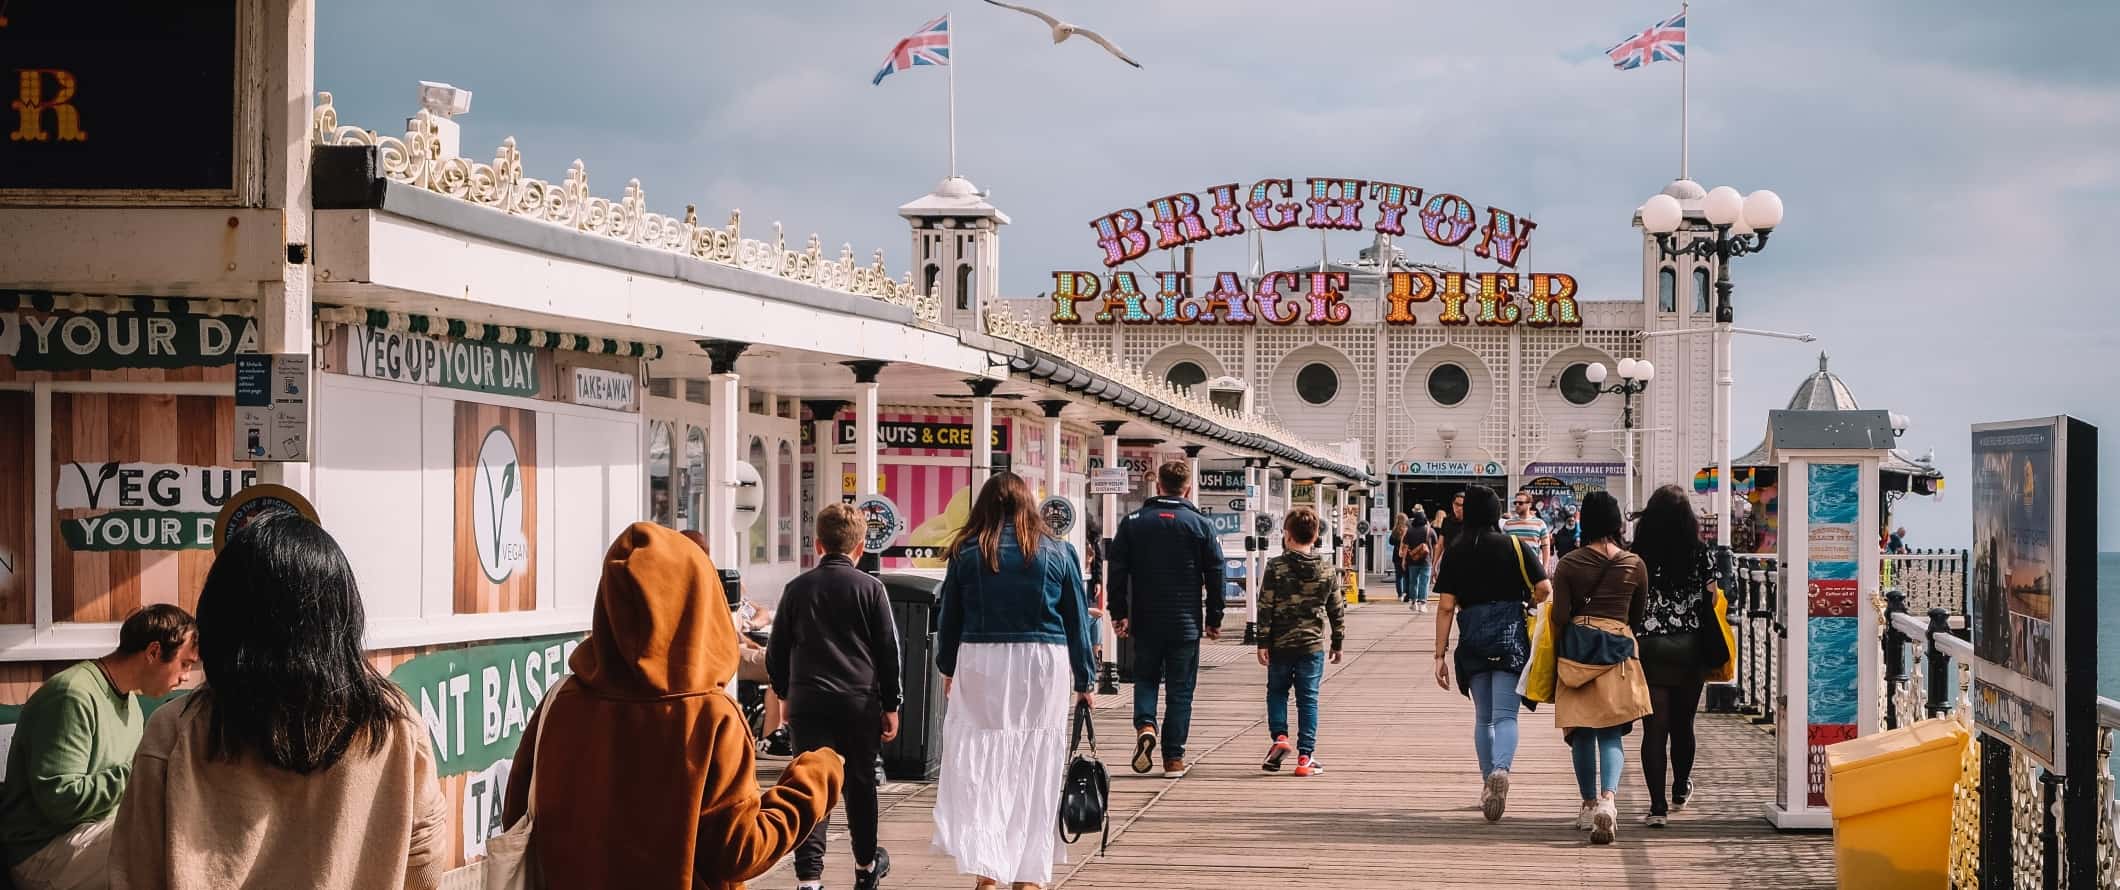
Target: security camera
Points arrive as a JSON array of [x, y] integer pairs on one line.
[[444, 100]]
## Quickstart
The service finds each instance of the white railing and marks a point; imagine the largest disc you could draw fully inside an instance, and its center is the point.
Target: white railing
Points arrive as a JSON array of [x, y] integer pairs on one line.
[[417, 160]]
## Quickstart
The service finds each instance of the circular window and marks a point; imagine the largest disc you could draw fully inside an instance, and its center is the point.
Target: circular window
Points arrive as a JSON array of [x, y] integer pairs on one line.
[[1448, 385], [1184, 374], [1576, 386], [1317, 383]]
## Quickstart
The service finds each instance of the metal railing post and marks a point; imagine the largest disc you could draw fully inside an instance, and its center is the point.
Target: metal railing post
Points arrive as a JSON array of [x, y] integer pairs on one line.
[[1941, 700], [1998, 858], [1895, 657]]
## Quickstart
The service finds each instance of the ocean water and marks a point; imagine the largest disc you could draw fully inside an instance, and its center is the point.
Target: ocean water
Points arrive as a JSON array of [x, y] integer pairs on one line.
[[2109, 630]]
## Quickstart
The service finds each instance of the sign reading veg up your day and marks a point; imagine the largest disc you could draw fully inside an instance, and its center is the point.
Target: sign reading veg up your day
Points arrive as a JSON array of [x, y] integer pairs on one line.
[[104, 341], [152, 506], [457, 364]]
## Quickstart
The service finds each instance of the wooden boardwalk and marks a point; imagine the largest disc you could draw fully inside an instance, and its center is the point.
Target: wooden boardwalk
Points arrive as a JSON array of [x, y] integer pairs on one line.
[[1396, 806]]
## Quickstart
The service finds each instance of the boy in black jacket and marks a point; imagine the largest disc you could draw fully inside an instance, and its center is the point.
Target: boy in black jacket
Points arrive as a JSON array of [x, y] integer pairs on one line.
[[833, 658]]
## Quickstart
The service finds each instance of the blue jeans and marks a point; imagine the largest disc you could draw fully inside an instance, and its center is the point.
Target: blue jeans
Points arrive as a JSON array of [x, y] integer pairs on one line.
[[1417, 582], [1304, 672], [1402, 581], [1174, 663], [1494, 707], [1599, 755]]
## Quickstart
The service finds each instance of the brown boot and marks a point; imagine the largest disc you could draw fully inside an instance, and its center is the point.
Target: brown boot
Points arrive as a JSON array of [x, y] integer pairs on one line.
[[1175, 768]]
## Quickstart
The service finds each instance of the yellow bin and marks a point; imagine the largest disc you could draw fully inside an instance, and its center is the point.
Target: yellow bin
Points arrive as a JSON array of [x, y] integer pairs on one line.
[[1891, 800]]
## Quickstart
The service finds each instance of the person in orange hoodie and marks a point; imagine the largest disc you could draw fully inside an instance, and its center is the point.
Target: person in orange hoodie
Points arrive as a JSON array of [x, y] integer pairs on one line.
[[647, 764]]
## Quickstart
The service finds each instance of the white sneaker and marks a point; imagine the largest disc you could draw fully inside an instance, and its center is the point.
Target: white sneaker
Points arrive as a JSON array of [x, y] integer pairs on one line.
[[1494, 795], [1604, 821], [1582, 819], [1655, 821]]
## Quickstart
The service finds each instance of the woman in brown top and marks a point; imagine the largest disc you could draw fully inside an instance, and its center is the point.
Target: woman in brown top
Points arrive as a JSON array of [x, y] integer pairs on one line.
[[1598, 592], [298, 765]]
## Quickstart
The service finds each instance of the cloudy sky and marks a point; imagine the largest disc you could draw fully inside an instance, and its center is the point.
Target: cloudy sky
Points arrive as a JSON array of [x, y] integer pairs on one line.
[[1944, 163]]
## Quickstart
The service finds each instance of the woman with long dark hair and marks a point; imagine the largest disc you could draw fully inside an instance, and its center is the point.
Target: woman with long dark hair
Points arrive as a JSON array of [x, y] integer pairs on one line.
[[1485, 586], [1673, 635], [1598, 591], [1014, 644], [1404, 582], [297, 764]]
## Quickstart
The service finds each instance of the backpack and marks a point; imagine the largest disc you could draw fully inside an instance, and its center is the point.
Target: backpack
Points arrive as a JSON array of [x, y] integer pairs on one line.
[[1417, 554], [1085, 795]]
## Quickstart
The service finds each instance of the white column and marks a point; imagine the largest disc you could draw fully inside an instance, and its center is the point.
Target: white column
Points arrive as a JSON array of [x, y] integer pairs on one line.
[[982, 437], [286, 320], [1192, 461], [1724, 485], [1110, 506], [865, 479], [1254, 484], [725, 411], [1054, 479], [824, 476]]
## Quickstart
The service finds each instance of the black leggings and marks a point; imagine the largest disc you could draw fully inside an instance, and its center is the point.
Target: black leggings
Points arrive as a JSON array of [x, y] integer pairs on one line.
[[1671, 723]]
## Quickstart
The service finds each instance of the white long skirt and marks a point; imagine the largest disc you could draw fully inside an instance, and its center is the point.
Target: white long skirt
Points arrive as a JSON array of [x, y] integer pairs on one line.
[[1004, 753]]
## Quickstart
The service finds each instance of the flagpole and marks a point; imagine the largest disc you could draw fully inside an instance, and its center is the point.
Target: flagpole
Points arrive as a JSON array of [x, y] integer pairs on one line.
[[1685, 148], [953, 98]]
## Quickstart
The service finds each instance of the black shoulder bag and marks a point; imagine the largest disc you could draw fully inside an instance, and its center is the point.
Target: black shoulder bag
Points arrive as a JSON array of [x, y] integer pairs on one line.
[[1085, 795]]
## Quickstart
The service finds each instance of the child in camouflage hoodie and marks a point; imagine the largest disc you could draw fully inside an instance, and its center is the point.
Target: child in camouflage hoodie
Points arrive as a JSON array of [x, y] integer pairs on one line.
[[1298, 593]]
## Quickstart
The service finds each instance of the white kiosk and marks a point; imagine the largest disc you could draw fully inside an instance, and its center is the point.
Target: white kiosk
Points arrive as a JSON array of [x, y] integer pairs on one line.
[[1831, 664]]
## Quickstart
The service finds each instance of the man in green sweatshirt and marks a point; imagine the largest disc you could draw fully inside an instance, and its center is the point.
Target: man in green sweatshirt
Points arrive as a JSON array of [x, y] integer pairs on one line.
[[73, 748]]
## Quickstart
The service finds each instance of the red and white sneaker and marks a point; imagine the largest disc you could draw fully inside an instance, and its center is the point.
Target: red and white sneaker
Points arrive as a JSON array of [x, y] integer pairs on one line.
[[1279, 752], [1307, 765]]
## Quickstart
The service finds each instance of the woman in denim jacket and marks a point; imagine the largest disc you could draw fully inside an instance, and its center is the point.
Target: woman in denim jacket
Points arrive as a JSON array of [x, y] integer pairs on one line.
[[1014, 654]]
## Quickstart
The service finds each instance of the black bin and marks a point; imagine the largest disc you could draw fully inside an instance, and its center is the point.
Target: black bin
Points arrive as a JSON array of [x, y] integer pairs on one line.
[[917, 752]]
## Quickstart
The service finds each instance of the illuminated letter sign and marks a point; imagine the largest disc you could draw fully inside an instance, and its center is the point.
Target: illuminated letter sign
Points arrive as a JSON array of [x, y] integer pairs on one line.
[[105, 95], [1499, 298]]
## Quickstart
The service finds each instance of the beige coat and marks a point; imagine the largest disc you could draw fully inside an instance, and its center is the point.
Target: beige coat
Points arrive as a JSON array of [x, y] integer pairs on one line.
[[370, 822], [1600, 696]]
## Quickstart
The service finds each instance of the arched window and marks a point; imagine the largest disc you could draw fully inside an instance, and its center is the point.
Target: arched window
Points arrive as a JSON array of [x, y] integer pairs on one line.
[[757, 531], [964, 287], [692, 510], [790, 517], [662, 496], [1184, 374], [1700, 289], [1666, 290], [929, 277]]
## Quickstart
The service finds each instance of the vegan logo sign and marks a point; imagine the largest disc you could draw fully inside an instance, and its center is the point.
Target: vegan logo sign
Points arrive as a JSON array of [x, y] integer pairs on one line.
[[151, 506], [497, 508], [1282, 298]]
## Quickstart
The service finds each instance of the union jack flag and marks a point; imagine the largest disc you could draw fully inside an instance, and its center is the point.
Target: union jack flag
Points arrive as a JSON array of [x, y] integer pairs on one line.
[[1664, 41], [928, 46]]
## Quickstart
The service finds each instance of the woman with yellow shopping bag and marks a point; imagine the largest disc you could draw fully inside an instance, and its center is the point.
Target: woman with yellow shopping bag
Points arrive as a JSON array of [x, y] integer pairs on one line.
[[1598, 593], [1683, 642]]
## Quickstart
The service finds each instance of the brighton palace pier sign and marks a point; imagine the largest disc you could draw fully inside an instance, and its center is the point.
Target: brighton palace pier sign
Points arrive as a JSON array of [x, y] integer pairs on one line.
[[1539, 299]]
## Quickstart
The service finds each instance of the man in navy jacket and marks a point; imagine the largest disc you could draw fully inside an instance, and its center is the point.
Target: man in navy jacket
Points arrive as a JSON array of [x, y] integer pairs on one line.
[[1163, 581]]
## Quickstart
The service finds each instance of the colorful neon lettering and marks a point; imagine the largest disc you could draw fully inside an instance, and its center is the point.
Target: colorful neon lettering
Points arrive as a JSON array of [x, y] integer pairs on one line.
[[1392, 201], [1498, 299], [1447, 219], [1335, 204], [1453, 296], [1124, 295], [1174, 291], [1553, 300], [1505, 237], [1178, 220], [1121, 237], [1325, 305], [1269, 297], [1407, 288], [1228, 298], [1225, 210], [1270, 216], [1070, 288]]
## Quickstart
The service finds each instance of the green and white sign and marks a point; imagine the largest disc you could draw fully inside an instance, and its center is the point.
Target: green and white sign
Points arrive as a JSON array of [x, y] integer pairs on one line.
[[476, 701], [429, 361], [107, 340]]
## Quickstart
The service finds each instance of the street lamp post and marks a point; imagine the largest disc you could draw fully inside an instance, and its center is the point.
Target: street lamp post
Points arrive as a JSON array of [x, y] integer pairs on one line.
[[1738, 225], [1634, 377]]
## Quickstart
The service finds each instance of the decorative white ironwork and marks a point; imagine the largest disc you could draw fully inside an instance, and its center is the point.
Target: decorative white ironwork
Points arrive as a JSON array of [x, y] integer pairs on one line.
[[1002, 323], [417, 160]]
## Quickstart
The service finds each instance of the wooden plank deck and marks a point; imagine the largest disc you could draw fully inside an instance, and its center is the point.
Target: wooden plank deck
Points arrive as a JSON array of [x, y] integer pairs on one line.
[[1396, 806]]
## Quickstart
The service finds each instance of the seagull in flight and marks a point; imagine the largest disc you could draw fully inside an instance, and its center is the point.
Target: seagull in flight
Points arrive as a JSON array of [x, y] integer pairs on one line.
[[1062, 30]]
